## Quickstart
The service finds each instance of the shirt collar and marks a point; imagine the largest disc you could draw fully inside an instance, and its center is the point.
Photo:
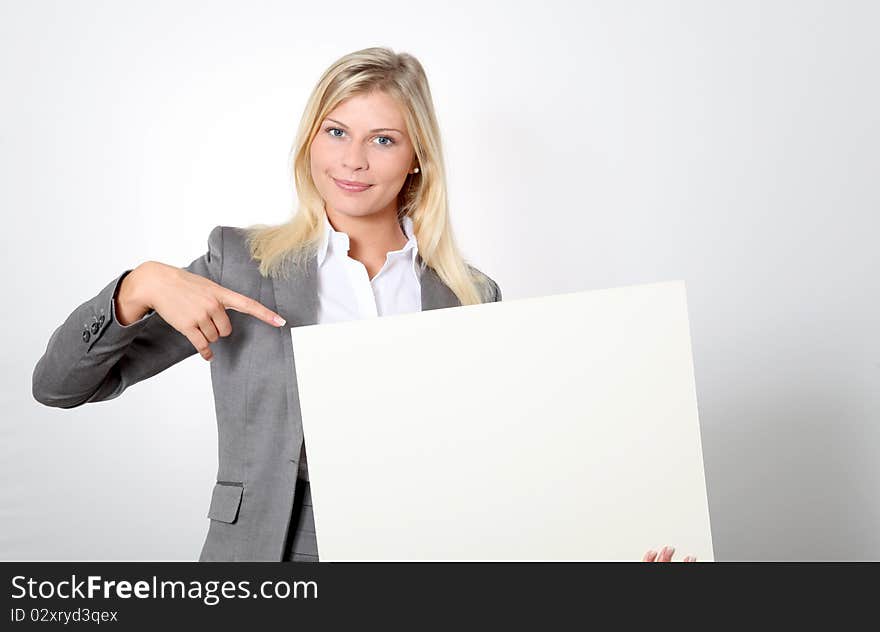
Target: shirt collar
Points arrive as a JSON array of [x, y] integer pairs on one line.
[[340, 243]]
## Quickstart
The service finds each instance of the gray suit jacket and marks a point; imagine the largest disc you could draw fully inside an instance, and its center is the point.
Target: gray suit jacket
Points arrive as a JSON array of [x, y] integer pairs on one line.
[[91, 357]]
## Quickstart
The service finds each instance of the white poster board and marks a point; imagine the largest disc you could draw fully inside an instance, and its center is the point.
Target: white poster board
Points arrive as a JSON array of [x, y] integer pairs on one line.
[[563, 427]]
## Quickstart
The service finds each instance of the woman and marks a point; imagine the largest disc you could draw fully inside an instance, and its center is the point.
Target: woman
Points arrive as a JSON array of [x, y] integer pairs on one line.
[[371, 237]]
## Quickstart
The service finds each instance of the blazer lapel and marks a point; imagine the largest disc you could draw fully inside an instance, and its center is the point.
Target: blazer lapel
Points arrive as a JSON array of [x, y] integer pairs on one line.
[[296, 297], [435, 293]]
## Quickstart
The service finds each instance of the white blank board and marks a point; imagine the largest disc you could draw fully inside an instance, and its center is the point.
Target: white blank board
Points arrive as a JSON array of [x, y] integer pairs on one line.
[[562, 427]]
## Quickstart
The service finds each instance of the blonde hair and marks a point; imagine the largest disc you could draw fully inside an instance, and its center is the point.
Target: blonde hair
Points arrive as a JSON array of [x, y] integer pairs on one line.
[[423, 195]]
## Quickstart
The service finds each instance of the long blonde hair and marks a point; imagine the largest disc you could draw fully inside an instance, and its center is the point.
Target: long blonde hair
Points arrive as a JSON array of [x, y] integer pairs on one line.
[[423, 195]]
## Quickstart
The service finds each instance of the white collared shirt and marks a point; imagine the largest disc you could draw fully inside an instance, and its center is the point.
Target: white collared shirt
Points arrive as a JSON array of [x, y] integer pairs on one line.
[[345, 291]]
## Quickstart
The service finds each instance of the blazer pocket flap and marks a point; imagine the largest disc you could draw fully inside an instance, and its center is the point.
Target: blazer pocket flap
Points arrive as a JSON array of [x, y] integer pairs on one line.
[[225, 502]]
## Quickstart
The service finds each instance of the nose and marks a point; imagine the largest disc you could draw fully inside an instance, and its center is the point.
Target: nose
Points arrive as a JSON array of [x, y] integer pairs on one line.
[[354, 158]]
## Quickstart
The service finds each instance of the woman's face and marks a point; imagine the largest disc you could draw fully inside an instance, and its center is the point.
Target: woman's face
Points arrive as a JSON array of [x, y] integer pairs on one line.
[[362, 140]]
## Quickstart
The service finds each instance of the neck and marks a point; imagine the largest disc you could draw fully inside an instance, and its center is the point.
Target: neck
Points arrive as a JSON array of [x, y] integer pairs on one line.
[[370, 237]]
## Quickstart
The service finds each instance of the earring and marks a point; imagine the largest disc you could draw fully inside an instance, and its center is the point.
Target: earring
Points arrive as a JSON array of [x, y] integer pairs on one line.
[[416, 170]]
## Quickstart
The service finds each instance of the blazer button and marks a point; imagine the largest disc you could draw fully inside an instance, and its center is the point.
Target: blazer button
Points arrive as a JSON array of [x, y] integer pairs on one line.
[[95, 327], [101, 321], [86, 335]]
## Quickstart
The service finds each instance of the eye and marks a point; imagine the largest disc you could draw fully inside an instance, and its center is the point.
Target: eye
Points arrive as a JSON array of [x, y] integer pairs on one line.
[[330, 131]]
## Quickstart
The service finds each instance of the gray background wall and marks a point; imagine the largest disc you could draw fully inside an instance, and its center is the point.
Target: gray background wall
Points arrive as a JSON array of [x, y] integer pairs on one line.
[[589, 145]]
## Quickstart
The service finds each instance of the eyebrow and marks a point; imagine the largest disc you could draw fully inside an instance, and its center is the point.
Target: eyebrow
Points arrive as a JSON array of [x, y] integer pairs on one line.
[[380, 129]]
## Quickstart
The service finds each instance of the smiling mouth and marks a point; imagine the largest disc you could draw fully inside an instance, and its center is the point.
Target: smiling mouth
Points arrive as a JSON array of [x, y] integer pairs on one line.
[[347, 185], [352, 182]]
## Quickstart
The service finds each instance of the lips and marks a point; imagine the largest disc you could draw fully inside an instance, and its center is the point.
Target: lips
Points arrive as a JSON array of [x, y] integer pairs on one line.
[[348, 185]]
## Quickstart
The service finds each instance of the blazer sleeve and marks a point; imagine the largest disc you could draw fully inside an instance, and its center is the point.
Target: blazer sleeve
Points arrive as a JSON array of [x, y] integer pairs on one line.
[[91, 357], [491, 293], [497, 291]]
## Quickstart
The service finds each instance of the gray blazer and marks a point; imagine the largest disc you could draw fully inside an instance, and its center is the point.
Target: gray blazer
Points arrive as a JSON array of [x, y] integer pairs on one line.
[[91, 357]]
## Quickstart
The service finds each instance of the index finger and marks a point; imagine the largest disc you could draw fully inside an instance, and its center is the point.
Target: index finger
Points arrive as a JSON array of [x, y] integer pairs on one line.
[[247, 305]]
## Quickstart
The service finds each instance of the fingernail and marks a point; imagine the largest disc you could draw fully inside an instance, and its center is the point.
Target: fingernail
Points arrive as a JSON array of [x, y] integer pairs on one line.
[[279, 321]]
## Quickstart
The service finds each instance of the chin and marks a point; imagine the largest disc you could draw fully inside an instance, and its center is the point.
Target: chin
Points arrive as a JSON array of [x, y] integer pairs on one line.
[[353, 211]]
